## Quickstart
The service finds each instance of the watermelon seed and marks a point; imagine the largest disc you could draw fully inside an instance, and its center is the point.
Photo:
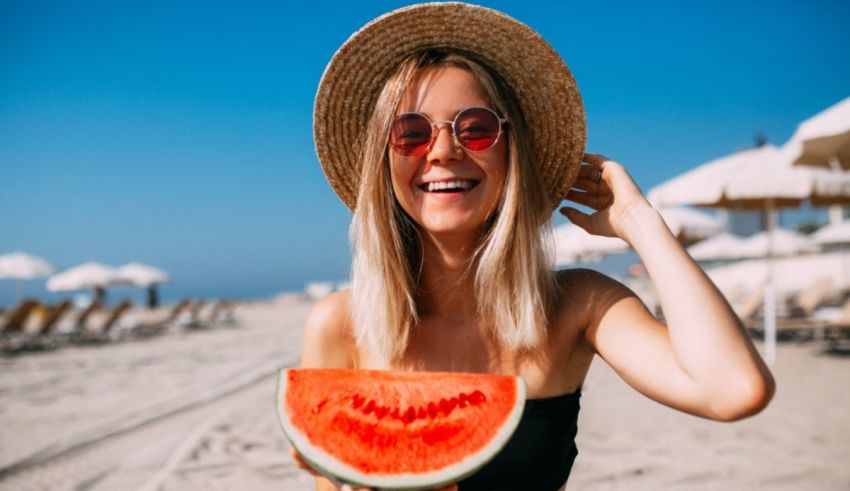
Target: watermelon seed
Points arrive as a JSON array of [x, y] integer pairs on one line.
[[381, 411], [477, 397], [318, 407], [421, 413], [369, 407], [410, 415], [432, 409], [357, 400], [395, 414]]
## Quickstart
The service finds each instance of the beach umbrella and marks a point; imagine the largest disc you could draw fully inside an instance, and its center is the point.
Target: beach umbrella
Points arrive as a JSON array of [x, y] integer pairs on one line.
[[757, 179], [89, 275], [689, 225], [574, 244], [21, 266], [832, 234], [724, 246], [780, 242], [824, 139], [144, 276], [792, 274]]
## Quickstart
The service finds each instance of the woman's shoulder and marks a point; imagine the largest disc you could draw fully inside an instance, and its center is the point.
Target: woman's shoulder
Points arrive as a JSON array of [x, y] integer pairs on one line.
[[587, 293], [584, 278], [332, 310], [328, 337]]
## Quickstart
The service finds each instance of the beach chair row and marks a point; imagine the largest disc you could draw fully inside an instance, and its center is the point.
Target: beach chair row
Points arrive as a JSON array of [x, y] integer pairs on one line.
[[797, 319], [35, 325]]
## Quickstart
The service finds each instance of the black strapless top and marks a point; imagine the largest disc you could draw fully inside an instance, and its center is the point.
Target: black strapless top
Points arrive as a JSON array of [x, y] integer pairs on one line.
[[540, 453]]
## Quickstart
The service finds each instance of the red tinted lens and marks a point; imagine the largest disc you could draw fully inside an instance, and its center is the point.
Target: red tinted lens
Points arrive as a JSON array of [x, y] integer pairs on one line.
[[410, 134], [477, 128]]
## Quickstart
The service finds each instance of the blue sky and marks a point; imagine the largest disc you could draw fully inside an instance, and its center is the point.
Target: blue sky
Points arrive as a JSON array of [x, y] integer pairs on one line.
[[179, 133]]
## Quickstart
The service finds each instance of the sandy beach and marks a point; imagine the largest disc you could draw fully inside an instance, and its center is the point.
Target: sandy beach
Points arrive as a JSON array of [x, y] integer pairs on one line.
[[194, 410]]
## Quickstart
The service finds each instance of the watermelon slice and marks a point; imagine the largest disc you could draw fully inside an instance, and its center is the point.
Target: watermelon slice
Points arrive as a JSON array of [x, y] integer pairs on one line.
[[397, 430]]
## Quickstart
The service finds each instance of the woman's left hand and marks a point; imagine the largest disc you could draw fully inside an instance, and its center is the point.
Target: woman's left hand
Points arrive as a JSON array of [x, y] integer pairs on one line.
[[605, 187]]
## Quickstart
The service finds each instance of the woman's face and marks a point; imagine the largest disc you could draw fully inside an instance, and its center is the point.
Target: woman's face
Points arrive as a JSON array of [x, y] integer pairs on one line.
[[440, 93]]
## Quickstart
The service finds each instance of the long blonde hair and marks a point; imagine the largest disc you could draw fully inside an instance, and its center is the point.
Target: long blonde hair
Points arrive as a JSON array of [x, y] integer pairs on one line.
[[514, 286]]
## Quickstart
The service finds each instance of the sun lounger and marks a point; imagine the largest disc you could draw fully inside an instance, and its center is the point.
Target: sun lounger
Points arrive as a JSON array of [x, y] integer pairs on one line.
[[98, 325], [145, 322], [13, 321]]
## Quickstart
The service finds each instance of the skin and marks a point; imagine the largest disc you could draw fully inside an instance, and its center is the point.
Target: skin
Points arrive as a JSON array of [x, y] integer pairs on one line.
[[701, 362]]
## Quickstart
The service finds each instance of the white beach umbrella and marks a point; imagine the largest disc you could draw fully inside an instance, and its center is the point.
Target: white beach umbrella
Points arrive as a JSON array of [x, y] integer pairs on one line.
[[141, 275], [89, 275], [832, 234], [720, 247], [783, 242], [689, 225], [145, 276], [791, 274], [824, 139], [573, 244], [763, 179], [21, 266]]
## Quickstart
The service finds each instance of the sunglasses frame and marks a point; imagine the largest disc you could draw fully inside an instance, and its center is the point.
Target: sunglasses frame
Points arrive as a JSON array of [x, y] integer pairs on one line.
[[434, 132]]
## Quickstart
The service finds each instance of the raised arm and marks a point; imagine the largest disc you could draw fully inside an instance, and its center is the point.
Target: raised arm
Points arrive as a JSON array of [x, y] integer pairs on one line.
[[702, 361]]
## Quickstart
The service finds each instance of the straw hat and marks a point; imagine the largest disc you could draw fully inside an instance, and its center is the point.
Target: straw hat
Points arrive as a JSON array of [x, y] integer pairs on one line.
[[543, 84]]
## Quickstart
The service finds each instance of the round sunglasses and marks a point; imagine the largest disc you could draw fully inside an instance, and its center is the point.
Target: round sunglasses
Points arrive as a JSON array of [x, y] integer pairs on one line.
[[474, 128]]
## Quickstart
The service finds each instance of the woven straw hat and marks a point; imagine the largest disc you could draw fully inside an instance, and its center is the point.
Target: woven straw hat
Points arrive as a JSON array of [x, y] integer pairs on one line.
[[543, 84]]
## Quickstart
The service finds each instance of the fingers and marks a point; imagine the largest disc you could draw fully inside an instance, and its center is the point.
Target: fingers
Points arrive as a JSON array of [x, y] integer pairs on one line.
[[301, 464], [594, 159], [591, 200], [575, 216], [588, 176]]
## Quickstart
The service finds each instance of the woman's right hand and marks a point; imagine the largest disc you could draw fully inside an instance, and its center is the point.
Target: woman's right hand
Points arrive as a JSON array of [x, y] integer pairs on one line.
[[299, 461]]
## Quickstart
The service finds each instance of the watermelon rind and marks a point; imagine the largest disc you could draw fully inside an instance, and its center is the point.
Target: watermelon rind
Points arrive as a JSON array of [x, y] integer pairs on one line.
[[341, 473]]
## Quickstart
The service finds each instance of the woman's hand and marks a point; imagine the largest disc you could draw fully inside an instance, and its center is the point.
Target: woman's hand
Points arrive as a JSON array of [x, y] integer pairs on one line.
[[305, 466], [605, 187]]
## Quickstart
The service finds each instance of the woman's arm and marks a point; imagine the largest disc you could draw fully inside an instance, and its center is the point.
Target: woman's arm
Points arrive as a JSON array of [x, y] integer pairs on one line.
[[702, 361]]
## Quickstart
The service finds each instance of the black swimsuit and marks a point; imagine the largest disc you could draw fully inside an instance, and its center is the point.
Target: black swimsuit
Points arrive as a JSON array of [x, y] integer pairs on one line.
[[539, 455]]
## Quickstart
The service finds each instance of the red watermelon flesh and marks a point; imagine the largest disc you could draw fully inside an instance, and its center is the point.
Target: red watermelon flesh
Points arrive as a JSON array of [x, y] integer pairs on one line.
[[397, 430]]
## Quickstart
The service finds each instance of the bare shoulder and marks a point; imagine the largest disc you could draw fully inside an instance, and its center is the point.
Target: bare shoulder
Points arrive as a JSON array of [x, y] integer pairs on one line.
[[328, 337], [586, 295]]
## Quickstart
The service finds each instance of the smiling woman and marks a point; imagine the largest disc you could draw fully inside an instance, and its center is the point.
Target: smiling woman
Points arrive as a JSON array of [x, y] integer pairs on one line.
[[453, 145]]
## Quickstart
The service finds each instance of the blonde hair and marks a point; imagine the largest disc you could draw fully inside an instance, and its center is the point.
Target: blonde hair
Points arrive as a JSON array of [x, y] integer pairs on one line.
[[514, 286]]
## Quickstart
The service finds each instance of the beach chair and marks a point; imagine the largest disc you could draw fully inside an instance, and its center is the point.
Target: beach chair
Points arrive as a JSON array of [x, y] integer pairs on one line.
[[38, 331], [144, 322], [837, 332], [70, 324], [13, 322], [225, 313], [190, 316], [98, 325]]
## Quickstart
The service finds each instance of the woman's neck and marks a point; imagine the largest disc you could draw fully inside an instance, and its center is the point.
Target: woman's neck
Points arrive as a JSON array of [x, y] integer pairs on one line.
[[447, 281]]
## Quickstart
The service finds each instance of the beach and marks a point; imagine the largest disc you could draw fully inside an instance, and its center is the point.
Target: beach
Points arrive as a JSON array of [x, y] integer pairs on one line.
[[194, 410]]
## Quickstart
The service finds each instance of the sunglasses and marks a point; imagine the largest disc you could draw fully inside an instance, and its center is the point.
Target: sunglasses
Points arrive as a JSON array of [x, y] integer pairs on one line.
[[474, 128]]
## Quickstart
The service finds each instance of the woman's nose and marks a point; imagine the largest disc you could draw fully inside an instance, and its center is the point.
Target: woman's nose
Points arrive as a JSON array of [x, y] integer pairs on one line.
[[445, 146]]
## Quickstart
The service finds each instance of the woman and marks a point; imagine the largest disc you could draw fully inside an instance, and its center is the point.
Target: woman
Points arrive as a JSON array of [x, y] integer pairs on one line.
[[452, 145]]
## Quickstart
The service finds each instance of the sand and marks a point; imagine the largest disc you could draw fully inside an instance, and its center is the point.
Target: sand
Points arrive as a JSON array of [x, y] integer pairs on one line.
[[193, 410]]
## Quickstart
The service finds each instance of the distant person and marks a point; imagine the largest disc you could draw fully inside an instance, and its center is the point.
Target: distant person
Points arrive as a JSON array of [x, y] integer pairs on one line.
[[153, 297], [453, 131]]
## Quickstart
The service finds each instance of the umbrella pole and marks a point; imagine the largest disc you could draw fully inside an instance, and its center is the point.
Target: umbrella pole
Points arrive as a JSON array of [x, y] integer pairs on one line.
[[770, 292]]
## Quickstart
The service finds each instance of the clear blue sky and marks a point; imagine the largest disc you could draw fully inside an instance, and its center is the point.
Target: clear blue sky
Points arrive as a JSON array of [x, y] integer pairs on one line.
[[179, 133]]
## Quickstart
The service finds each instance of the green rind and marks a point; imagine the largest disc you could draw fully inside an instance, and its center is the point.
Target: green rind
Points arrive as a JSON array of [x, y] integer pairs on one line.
[[341, 473]]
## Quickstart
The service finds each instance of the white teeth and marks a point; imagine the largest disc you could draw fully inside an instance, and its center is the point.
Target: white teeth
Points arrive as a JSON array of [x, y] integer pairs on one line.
[[459, 184]]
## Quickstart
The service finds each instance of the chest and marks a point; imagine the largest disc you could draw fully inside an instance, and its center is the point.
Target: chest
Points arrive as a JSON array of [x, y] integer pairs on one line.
[[557, 366]]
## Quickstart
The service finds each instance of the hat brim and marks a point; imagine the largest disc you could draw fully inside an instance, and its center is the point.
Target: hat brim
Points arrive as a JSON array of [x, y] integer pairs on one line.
[[544, 87]]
